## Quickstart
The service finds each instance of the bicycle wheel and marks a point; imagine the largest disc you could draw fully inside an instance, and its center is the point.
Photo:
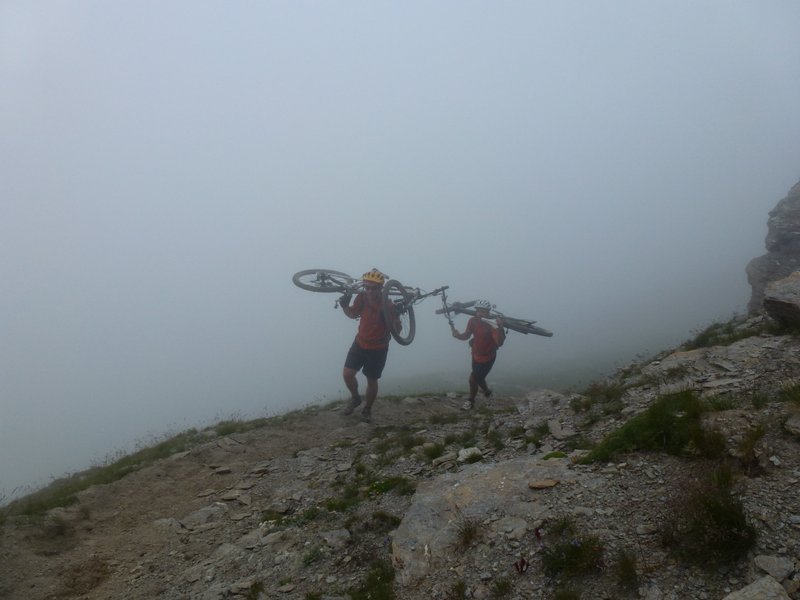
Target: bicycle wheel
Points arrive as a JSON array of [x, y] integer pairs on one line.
[[404, 326], [322, 280]]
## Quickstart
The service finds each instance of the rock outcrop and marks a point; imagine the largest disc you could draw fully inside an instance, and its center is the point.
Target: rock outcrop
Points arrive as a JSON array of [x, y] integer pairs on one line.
[[783, 248], [782, 300]]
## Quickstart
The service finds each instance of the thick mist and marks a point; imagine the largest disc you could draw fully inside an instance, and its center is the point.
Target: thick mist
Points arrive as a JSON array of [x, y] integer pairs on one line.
[[604, 169]]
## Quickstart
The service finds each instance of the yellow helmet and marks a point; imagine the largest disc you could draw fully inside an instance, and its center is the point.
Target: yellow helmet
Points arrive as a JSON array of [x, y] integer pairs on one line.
[[374, 276]]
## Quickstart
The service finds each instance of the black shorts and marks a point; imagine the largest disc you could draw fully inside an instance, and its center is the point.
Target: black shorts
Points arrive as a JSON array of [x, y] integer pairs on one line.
[[481, 370], [370, 362]]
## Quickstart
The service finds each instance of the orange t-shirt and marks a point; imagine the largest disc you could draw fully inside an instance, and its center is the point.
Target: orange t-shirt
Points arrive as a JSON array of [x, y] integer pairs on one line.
[[485, 340], [373, 334]]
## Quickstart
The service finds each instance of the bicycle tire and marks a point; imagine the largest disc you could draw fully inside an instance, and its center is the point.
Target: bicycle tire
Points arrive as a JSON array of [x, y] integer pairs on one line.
[[526, 329], [323, 280], [517, 325], [395, 294]]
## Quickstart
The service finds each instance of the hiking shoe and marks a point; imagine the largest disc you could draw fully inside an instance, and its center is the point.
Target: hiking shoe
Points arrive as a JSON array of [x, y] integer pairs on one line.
[[351, 407], [468, 405], [366, 414], [488, 393]]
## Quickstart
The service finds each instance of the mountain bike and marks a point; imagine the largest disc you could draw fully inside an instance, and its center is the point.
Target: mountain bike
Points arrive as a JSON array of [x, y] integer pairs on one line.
[[398, 299], [519, 325]]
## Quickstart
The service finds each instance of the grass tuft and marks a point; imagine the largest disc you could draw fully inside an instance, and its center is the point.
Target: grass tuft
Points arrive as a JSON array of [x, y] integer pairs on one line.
[[378, 583], [468, 530], [570, 553], [706, 524], [669, 425], [625, 570]]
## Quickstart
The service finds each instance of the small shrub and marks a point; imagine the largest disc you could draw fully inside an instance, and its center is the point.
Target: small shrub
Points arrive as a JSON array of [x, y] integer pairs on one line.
[[350, 497], [668, 425], [747, 450], [707, 524], [580, 404], [458, 591], [501, 588], [566, 594], [790, 392], [383, 521], [254, 591], [468, 530], [625, 570], [759, 399], [467, 439], [433, 451], [312, 556], [720, 403], [84, 578], [576, 556], [495, 439], [401, 485], [377, 584]]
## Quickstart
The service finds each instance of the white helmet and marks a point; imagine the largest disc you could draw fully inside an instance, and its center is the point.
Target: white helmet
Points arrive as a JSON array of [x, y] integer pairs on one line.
[[484, 304]]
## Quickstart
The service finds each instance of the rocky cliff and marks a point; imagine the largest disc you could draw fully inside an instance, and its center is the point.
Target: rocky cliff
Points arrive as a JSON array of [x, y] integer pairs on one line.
[[783, 248]]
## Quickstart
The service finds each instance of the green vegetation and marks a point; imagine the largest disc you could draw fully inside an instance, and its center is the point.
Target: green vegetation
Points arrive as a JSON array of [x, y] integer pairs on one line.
[[725, 334], [468, 530], [458, 591], [571, 553], [495, 439], [383, 521], [433, 451], [566, 594], [501, 588], [254, 591], [747, 450], [790, 393], [378, 583], [556, 454], [63, 492], [720, 403], [280, 521], [312, 556], [401, 485], [625, 570], [669, 425], [706, 524]]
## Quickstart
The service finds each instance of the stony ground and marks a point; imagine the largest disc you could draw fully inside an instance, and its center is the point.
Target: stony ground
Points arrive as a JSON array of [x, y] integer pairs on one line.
[[318, 505]]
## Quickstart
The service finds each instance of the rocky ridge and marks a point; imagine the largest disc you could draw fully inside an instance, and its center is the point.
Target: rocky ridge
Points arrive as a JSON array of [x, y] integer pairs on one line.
[[783, 248], [311, 506]]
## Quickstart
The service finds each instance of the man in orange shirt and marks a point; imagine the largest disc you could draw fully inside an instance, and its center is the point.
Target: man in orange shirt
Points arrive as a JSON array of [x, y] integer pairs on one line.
[[369, 349], [485, 342]]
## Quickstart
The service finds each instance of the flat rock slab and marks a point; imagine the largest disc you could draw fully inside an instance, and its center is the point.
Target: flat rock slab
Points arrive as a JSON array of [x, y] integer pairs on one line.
[[428, 534], [765, 588]]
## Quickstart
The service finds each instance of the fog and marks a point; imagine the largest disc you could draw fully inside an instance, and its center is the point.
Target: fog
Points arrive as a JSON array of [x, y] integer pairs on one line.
[[604, 168]]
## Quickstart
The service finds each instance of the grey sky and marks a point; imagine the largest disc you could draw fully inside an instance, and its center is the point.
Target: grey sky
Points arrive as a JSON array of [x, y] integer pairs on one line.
[[605, 168]]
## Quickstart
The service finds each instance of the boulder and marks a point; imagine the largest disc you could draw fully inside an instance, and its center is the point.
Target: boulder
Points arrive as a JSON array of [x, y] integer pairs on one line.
[[765, 588], [782, 299]]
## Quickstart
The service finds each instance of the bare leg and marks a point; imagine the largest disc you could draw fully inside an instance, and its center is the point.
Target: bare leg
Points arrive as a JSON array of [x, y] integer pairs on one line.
[[372, 392], [351, 382]]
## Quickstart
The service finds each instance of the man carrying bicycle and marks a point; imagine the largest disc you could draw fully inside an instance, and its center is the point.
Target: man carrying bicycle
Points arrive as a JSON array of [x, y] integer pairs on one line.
[[371, 345], [485, 342]]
